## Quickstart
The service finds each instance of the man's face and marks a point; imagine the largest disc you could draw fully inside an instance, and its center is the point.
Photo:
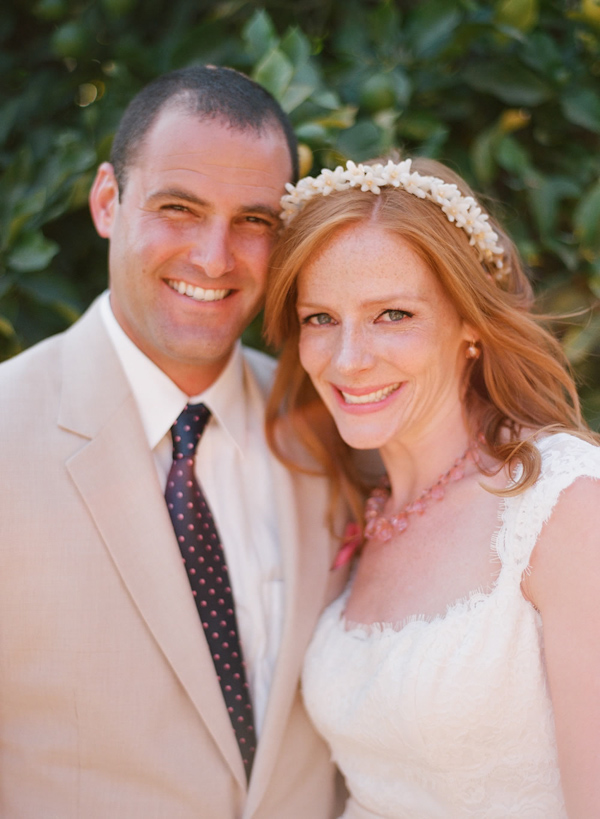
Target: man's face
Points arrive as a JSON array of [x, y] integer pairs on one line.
[[190, 239]]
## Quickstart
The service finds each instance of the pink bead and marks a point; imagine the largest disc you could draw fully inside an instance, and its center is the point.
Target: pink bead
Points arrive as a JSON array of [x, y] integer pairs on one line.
[[380, 492], [399, 522], [383, 530], [437, 492], [416, 508]]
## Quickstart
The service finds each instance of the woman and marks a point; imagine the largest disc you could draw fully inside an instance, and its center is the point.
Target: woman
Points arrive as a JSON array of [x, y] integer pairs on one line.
[[459, 674]]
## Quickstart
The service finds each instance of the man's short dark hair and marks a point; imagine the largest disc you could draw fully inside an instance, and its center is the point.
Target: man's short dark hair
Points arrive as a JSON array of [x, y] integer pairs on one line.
[[210, 92]]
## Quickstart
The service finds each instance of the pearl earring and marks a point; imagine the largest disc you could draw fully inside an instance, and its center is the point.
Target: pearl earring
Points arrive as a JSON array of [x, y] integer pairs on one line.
[[473, 350]]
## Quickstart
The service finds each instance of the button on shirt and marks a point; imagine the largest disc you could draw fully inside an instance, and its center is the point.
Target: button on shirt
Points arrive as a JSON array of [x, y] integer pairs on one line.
[[233, 468]]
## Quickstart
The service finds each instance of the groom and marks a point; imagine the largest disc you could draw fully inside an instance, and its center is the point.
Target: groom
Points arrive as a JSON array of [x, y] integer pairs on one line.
[[149, 649]]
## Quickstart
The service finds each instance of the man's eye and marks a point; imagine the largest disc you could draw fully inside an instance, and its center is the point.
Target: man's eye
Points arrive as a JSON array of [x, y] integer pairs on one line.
[[258, 220], [394, 315], [176, 208], [318, 319]]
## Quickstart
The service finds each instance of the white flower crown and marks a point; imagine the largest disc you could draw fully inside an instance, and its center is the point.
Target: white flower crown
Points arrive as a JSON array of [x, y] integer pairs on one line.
[[462, 210]]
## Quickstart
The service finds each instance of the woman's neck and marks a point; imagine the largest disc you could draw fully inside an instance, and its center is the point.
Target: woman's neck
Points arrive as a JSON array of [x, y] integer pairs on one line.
[[415, 463]]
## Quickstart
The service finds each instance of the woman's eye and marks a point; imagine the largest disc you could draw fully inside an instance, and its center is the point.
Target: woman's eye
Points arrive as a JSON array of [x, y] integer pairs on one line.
[[394, 315], [317, 319]]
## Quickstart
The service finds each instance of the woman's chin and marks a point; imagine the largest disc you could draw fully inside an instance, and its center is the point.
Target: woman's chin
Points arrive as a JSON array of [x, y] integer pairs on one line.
[[366, 439]]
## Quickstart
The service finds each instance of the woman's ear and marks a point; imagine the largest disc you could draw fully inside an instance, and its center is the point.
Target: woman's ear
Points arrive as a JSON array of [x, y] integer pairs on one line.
[[104, 199], [469, 334]]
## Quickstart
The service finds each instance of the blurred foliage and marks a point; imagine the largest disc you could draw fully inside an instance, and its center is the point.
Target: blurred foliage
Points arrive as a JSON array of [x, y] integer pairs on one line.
[[506, 92]]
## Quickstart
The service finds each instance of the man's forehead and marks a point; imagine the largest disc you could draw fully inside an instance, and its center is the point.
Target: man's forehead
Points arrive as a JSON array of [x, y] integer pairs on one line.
[[181, 145], [177, 130]]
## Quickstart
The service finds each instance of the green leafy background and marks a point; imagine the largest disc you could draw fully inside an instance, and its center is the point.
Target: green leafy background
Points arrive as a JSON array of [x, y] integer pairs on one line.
[[506, 92]]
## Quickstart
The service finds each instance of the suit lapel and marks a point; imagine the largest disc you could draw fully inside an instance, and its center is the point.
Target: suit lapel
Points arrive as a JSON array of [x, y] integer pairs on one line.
[[115, 474]]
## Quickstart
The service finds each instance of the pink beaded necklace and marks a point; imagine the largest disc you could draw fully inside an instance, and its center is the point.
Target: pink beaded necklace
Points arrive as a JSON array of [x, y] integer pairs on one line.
[[379, 527]]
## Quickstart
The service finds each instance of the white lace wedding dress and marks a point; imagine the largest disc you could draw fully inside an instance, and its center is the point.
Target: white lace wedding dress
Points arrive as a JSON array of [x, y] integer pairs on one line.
[[450, 718]]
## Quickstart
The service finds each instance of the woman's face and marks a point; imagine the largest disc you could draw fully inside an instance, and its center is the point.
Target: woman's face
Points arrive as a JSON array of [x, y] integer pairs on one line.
[[380, 339]]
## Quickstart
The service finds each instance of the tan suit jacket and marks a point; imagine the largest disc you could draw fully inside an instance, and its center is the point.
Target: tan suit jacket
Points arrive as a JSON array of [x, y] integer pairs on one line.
[[109, 703]]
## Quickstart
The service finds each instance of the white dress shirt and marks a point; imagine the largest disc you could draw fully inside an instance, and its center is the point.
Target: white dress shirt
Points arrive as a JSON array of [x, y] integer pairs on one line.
[[233, 468]]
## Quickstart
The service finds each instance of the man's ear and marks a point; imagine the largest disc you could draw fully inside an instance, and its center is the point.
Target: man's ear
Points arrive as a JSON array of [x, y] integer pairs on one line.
[[104, 199]]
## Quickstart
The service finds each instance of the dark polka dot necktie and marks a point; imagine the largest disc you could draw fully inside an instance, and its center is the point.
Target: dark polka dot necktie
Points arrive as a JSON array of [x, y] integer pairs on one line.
[[204, 561]]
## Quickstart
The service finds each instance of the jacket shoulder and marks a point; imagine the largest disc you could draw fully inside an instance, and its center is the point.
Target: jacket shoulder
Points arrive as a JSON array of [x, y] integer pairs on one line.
[[29, 374]]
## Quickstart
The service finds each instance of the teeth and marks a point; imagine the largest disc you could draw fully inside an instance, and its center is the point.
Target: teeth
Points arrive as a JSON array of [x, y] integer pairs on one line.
[[371, 397], [197, 293]]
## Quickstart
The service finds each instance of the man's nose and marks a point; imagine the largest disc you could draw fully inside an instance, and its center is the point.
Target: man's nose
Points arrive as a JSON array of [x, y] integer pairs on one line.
[[212, 250]]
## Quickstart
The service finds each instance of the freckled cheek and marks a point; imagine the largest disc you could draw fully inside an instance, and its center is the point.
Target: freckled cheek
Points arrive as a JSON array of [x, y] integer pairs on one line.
[[314, 354]]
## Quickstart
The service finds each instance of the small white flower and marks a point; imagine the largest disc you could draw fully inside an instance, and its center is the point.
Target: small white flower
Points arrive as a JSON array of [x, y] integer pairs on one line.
[[368, 181], [332, 180]]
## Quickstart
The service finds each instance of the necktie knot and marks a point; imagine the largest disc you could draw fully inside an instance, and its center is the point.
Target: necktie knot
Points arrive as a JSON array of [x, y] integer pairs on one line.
[[187, 430]]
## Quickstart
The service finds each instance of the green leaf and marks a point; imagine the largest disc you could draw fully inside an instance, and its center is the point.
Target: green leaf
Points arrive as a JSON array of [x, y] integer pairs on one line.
[[578, 342], [431, 26], [24, 213], [294, 96], [545, 195], [377, 93], [53, 291], [274, 72], [326, 99], [312, 133], [362, 141], [513, 157], [418, 125], [296, 46], [512, 83], [5, 284], [483, 154], [402, 85], [32, 252], [6, 328], [260, 35], [520, 14], [341, 118], [385, 26], [586, 220], [581, 106]]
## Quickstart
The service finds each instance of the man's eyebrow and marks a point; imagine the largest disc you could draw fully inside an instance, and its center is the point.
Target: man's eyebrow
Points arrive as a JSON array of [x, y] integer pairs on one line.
[[177, 193], [186, 196]]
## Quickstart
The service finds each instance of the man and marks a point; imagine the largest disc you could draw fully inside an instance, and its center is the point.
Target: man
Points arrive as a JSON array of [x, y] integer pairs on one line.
[[126, 690]]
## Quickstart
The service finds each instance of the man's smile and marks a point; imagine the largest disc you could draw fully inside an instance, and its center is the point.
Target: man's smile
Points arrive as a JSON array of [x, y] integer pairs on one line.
[[197, 293]]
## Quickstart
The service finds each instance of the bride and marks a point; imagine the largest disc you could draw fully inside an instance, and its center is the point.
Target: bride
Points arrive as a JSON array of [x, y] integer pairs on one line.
[[459, 673]]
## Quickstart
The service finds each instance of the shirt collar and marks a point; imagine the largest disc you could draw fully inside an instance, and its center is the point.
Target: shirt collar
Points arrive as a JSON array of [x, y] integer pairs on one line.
[[160, 401]]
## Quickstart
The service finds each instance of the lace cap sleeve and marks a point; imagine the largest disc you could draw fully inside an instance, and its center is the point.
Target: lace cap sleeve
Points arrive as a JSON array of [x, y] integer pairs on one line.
[[564, 459]]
